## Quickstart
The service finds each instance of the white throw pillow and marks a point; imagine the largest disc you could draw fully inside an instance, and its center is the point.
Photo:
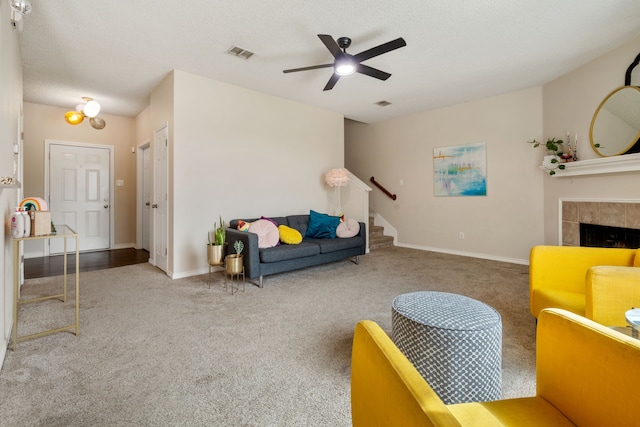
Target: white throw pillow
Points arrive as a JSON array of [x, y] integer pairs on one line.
[[348, 228]]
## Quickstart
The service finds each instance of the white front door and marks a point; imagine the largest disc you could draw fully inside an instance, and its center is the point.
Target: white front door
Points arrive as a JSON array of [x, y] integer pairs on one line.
[[160, 200], [79, 194]]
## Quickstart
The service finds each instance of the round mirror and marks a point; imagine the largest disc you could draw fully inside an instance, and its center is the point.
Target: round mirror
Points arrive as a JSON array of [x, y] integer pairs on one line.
[[615, 127]]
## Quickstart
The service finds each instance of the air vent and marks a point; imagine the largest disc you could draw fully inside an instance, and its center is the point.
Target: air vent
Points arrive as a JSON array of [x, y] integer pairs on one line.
[[240, 52], [383, 103]]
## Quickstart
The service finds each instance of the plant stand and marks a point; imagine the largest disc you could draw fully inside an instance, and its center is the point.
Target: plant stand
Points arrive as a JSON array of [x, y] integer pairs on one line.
[[215, 258], [235, 286], [234, 268]]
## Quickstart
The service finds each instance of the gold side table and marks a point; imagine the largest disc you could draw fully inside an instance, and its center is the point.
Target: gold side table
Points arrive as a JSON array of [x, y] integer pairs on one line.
[[64, 232]]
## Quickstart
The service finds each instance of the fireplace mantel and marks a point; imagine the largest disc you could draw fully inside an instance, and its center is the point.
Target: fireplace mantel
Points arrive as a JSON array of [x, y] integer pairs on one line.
[[614, 164]]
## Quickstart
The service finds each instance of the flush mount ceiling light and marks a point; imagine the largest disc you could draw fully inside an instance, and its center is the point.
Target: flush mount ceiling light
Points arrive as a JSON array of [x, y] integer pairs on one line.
[[89, 108], [19, 8]]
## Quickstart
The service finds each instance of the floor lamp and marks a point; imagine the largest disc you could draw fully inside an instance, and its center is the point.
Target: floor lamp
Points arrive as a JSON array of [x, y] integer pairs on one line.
[[337, 178]]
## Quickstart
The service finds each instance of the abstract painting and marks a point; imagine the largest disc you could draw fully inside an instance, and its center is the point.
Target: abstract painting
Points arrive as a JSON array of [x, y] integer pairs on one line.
[[460, 170]]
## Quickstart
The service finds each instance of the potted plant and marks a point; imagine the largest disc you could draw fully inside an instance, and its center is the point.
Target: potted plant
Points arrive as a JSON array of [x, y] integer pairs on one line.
[[215, 249], [552, 160], [234, 262]]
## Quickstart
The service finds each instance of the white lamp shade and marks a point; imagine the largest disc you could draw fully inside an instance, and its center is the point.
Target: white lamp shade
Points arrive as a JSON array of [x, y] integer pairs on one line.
[[91, 108]]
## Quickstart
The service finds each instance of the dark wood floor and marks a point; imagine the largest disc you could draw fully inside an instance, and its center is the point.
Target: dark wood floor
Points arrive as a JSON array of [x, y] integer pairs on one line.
[[53, 265]]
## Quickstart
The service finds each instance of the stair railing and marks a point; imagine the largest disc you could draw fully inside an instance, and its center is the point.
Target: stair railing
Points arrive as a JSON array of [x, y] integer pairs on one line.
[[384, 190]]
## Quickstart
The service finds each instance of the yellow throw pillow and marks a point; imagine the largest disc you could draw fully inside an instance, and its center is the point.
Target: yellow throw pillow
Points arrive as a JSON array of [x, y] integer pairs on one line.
[[289, 235]]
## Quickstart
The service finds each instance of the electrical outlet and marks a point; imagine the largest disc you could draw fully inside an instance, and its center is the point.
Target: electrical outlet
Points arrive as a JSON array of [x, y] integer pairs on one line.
[[461, 236]]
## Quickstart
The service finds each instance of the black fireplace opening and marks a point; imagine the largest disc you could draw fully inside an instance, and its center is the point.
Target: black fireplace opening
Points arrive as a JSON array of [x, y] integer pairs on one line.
[[604, 236]]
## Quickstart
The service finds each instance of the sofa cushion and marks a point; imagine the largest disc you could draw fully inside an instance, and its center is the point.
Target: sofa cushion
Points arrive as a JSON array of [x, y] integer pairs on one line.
[[322, 225], [299, 222], [267, 232], [287, 252], [289, 235], [348, 228], [333, 245]]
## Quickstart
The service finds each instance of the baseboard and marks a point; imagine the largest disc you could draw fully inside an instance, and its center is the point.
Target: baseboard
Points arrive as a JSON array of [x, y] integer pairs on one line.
[[197, 272], [468, 254], [3, 351], [124, 246]]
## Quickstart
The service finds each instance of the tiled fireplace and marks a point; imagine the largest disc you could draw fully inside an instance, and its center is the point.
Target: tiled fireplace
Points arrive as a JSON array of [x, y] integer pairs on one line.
[[613, 214]]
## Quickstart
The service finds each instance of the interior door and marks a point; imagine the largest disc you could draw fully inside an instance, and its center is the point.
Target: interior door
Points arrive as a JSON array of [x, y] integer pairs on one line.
[[160, 200], [79, 191], [147, 186]]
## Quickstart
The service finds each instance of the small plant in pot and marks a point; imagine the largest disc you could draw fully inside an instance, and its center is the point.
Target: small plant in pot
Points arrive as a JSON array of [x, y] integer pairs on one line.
[[553, 159], [215, 249], [234, 262]]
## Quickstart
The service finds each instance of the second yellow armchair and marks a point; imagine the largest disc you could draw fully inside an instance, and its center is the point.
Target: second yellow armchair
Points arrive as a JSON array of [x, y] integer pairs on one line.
[[599, 283]]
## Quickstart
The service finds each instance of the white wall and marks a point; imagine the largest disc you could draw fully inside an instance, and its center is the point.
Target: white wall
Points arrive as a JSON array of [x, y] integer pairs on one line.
[[569, 103], [10, 105], [504, 224], [241, 153]]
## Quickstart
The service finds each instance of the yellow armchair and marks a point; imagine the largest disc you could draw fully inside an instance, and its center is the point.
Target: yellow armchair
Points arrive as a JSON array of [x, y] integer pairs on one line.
[[558, 274], [611, 291], [586, 375]]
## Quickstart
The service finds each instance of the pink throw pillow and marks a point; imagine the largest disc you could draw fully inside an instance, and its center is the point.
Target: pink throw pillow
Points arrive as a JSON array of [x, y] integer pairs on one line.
[[268, 235]]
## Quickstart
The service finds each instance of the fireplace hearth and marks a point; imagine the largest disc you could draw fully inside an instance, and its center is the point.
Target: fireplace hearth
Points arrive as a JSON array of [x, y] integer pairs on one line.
[[602, 236]]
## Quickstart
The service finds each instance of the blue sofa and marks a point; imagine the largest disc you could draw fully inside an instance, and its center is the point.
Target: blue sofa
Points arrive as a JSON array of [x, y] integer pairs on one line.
[[259, 262]]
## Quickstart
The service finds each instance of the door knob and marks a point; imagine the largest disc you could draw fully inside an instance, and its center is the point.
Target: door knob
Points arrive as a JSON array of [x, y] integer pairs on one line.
[[106, 206], [154, 206]]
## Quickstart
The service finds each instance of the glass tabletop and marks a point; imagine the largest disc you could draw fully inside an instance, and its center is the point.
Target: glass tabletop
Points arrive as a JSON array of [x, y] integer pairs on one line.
[[62, 230]]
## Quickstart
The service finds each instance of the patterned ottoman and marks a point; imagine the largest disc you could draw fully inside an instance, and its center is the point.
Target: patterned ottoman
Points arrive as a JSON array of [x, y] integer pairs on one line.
[[455, 342]]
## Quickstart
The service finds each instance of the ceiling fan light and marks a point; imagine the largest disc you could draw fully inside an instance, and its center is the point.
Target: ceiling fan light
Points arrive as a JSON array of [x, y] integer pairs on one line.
[[345, 67], [97, 123], [91, 108], [74, 117]]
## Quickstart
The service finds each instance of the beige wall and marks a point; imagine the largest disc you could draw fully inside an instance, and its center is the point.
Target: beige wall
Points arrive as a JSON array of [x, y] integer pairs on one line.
[[569, 103], [241, 153], [399, 154], [521, 208], [45, 122], [10, 105]]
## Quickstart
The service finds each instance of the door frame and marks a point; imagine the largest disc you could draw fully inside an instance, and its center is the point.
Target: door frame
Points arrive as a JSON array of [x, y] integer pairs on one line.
[[145, 145], [47, 159]]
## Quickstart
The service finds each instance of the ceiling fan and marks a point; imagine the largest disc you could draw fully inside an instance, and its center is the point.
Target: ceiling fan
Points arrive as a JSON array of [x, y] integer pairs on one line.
[[346, 64]]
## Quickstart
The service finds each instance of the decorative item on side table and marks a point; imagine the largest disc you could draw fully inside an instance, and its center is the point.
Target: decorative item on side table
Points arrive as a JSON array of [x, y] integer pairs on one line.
[[216, 249], [554, 158], [234, 265]]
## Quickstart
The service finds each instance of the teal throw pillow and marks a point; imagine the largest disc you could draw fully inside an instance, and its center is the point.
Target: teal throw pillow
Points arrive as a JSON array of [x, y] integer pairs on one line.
[[322, 226]]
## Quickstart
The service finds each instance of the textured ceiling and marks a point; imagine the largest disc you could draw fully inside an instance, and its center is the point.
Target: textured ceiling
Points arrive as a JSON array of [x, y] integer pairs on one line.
[[457, 50]]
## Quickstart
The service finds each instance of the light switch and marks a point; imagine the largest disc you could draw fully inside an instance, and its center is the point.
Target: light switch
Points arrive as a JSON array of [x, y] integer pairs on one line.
[[119, 182]]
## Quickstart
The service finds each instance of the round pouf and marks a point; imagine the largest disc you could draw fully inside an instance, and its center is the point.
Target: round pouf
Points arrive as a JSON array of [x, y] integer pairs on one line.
[[455, 342]]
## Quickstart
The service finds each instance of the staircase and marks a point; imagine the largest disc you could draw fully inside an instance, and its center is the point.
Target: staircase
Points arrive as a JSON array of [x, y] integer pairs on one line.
[[377, 239]]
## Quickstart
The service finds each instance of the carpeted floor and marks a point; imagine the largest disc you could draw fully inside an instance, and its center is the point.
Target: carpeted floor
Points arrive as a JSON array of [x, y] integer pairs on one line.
[[156, 351]]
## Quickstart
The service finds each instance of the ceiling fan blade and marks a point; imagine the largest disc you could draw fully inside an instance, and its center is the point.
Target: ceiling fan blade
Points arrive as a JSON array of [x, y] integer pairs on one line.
[[373, 72], [380, 49], [331, 44], [332, 82], [313, 67]]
